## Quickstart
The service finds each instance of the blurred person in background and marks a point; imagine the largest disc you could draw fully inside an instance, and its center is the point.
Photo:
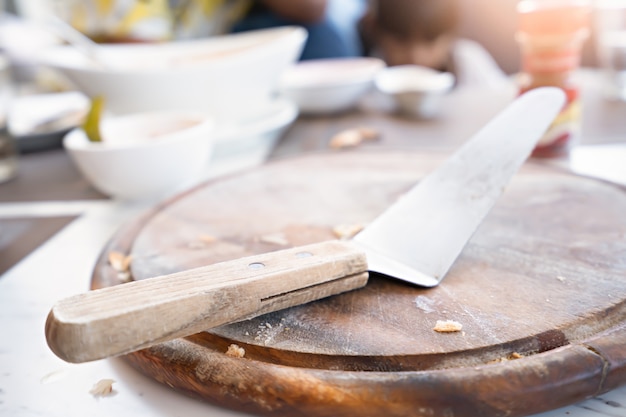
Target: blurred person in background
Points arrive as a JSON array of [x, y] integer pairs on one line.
[[326, 39], [424, 32]]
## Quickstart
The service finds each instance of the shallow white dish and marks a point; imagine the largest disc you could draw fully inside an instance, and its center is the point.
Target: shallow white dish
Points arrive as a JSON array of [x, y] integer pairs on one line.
[[39, 122], [215, 75], [416, 90], [144, 155], [329, 85], [248, 139]]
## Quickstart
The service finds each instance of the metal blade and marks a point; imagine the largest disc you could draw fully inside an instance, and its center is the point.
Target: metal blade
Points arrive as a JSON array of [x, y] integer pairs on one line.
[[419, 237]]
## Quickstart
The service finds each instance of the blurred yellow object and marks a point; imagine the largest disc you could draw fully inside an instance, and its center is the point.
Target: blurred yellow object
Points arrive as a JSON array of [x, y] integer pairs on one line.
[[152, 20], [120, 20], [201, 18], [144, 11], [92, 120]]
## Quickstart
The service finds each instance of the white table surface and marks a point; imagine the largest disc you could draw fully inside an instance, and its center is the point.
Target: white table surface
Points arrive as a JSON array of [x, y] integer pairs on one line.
[[34, 382]]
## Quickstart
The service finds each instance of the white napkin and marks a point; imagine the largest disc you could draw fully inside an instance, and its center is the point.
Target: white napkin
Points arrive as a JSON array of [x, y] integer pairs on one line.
[[607, 162]]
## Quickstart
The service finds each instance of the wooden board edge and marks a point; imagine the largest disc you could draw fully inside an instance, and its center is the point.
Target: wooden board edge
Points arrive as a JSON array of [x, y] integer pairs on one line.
[[491, 390]]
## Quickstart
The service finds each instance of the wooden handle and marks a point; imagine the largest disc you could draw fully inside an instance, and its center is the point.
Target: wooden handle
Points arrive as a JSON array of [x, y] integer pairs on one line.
[[128, 317]]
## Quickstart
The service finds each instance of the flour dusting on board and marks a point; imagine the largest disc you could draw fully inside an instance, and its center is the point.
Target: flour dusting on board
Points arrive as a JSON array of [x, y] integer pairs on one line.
[[267, 332], [424, 303]]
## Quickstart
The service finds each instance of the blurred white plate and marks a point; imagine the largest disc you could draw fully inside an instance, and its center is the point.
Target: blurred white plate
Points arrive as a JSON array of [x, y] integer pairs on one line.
[[249, 139], [325, 86], [416, 90], [40, 121]]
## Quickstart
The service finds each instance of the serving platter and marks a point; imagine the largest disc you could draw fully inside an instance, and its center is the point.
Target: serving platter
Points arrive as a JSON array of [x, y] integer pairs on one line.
[[540, 293]]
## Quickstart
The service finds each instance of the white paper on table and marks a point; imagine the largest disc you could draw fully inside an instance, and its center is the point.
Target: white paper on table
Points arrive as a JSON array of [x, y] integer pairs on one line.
[[607, 162]]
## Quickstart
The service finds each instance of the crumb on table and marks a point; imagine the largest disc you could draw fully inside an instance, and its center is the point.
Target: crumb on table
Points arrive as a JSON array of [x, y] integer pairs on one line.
[[353, 137], [347, 231], [102, 388], [447, 326]]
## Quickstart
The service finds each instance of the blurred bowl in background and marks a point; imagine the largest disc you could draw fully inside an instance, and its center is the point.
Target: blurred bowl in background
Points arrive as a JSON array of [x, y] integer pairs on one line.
[[217, 75], [22, 41], [144, 155], [416, 90], [333, 85], [248, 139]]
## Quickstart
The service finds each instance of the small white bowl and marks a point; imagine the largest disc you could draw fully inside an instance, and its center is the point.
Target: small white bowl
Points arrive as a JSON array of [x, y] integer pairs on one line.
[[325, 86], [416, 90], [247, 140], [144, 155]]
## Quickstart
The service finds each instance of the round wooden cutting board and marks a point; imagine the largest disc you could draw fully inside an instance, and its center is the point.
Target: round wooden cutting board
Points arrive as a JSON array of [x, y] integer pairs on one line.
[[540, 292]]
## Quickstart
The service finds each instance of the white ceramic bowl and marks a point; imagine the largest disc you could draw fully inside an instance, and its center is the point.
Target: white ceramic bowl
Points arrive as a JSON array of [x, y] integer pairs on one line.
[[144, 155], [217, 75], [248, 139], [329, 85], [416, 90]]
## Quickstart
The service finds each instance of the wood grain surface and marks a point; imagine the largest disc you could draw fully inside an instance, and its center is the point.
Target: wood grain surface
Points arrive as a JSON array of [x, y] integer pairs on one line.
[[121, 319], [540, 292]]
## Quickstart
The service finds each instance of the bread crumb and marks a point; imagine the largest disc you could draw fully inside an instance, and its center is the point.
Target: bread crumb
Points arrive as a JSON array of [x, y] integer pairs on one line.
[[207, 238], [447, 326], [102, 388], [347, 231], [119, 261], [368, 133], [235, 351], [510, 357], [275, 239], [121, 264], [201, 242], [353, 137]]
